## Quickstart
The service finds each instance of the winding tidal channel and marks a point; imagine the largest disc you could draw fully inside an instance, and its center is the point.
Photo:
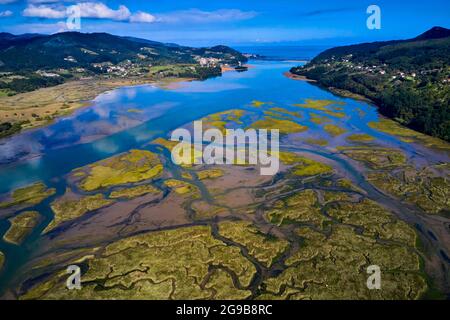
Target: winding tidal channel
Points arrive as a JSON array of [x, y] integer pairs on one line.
[[132, 117]]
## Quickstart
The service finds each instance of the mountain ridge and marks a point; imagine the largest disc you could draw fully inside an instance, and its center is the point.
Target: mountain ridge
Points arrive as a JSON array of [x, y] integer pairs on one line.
[[16, 52], [32, 61], [409, 79]]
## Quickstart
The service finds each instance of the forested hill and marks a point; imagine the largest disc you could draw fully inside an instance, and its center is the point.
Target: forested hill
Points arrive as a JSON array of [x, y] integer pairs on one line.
[[69, 49], [31, 61], [408, 79]]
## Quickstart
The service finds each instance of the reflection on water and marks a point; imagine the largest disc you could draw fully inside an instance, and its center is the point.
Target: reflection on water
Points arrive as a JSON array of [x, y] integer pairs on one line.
[[132, 116]]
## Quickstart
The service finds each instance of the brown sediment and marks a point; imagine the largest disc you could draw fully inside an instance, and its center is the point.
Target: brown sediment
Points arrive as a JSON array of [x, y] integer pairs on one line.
[[241, 176], [256, 242], [146, 213], [226, 69], [237, 198], [441, 228], [292, 76], [349, 94], [243, 200]]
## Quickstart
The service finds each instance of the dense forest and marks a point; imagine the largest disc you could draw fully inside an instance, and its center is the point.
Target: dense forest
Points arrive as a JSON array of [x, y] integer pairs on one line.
[[33, 61], [73, 49], [408, 79]]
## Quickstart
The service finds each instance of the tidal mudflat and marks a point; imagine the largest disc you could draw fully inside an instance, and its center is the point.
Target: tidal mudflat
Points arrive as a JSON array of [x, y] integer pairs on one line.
[[353, 190]]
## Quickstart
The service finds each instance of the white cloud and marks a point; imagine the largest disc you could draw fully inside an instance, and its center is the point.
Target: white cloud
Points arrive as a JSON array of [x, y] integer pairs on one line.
[[44, 11], [99, 10], [142, 17], [199, 16], [43, 1], [6, 13], [92, 10]]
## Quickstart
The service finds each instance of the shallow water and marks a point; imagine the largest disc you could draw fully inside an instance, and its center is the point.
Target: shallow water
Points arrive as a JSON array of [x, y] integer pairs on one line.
[[131, 117], [113, 123]]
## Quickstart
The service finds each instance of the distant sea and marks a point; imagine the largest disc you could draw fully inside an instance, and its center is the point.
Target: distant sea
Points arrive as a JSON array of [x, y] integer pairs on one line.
[[284, 52]]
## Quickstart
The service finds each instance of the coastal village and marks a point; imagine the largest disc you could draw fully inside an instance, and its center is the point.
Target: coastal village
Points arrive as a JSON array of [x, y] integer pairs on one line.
[[384, 70]]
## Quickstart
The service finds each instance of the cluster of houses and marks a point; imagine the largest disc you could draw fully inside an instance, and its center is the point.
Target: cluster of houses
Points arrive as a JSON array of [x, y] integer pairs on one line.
[[374, 69], [123, 69], [207, 62]]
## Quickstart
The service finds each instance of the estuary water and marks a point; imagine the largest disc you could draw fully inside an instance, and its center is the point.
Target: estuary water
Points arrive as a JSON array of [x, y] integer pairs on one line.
[[131, 117]]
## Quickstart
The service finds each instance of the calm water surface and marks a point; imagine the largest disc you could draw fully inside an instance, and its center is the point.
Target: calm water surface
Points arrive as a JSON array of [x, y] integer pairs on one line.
[[131, 117]]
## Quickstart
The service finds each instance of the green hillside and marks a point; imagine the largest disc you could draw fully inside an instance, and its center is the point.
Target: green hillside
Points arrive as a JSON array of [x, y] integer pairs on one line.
[[408, 79], [29, 62]]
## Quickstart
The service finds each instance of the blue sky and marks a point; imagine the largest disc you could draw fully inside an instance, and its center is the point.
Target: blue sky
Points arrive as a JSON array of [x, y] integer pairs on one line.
[[231, 22]]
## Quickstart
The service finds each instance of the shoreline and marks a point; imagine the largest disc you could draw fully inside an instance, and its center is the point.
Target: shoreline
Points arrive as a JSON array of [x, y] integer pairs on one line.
[[293, 76], [429, 141], [42, 107], [339, 92], [348, 94]]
